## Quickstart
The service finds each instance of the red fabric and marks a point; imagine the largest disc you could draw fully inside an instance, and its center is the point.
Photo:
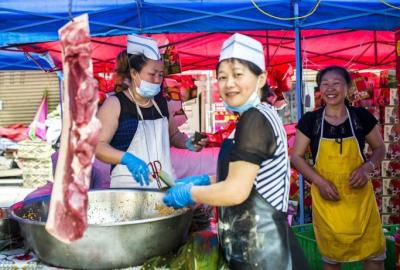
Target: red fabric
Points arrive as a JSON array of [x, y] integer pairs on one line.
[[352, 49], [15, 132], [105, 85], [216, 139], [280, 78]]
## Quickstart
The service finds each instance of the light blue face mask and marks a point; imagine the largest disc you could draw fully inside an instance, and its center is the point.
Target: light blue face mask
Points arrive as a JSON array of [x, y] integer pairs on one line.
[[147, 89], [253, 101]]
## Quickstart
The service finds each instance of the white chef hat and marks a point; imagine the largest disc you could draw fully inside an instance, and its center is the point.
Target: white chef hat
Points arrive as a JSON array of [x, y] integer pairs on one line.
[[243, 47], [143, 45]]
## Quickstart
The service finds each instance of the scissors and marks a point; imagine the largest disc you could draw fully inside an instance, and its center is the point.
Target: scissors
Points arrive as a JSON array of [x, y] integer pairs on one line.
[[155, 168]]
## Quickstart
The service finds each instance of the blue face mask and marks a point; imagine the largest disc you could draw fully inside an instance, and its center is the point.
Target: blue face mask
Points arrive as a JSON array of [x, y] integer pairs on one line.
[[148, 90], [253, 101]]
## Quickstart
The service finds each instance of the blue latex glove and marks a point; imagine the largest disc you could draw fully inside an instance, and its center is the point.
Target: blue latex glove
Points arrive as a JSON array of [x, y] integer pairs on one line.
[[137, 167], [190, 145], [179, 196], [197, 180]]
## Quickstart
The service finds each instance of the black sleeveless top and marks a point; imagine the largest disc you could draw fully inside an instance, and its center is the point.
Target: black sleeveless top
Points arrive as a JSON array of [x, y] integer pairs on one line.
[[128, 119]]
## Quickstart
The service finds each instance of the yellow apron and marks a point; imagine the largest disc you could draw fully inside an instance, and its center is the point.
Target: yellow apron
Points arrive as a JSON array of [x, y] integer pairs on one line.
[[349, 229]]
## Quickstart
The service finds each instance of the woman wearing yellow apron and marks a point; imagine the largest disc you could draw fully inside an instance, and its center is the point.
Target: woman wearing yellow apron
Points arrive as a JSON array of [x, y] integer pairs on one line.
[[346, 220]]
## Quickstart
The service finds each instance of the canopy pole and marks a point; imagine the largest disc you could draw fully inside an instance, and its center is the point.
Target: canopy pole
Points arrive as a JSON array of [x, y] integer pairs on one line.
[[267, 47], [299, 103]]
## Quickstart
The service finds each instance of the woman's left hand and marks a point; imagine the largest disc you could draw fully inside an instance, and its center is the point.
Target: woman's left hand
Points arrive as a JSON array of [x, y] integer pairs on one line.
[[195, 146], [359, 177], [197, 180]]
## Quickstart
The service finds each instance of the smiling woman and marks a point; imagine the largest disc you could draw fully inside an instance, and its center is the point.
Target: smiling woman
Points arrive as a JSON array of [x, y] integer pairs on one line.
[[334, 84], [139, 129], [253, 169], [345, 213], [239, 84]]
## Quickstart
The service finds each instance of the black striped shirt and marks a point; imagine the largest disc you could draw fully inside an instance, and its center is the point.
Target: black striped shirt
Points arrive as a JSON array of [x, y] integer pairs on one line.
[[261, 139]]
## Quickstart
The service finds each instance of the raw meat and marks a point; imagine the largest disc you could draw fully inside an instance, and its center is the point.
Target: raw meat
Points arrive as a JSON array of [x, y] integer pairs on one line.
[[67, 218]]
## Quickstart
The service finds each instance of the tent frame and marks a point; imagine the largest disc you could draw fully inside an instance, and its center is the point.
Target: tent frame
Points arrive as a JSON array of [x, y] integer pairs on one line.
[[190, 12]]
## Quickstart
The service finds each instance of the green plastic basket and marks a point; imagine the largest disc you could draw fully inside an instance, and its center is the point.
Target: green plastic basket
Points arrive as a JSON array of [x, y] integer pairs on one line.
[[305, 236]]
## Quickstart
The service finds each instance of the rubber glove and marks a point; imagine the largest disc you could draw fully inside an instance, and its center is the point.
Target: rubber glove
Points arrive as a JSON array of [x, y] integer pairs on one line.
[[137, 167], [197, 180], [196, 142], [179, 196], [190, 145]]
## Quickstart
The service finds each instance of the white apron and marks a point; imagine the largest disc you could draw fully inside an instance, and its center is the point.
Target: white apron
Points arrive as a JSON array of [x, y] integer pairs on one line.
[[150, 143]]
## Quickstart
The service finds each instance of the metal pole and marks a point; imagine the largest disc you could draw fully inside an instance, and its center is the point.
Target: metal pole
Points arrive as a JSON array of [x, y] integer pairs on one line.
[[375, 49], [299, 103], [60, 92]]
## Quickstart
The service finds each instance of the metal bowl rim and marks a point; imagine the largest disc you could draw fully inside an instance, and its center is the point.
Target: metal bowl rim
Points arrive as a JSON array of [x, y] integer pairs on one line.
[[15, 217]]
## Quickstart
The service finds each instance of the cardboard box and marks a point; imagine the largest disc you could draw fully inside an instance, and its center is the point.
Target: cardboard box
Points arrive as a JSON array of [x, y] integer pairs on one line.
[[394, 97], [378, 186], [390, 168], [391, 204], [391, 186], [391, 218], [391, 133], [391, 115], [388, 78], [393, 150]]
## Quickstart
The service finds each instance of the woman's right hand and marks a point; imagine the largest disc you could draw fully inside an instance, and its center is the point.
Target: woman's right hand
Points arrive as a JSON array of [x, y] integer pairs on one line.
[[179, 196], [327, 190], [137, 167]]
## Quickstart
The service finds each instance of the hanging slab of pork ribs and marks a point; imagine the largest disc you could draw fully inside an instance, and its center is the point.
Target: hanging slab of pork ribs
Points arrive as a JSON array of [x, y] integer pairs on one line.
[[67, 218]]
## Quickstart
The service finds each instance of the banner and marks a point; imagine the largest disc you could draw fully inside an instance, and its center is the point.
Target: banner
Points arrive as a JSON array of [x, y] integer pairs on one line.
[[37, 129]]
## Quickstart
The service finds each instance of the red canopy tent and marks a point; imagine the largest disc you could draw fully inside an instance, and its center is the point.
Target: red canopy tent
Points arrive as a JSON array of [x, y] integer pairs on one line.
[[353, 49]]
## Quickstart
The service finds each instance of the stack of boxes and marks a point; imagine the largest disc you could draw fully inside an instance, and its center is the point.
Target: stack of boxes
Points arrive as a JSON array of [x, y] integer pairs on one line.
[[390, 169], [386, 178]]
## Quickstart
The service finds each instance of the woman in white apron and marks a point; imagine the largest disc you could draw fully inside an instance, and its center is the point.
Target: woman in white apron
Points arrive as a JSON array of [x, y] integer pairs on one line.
[[346, 220], [136, 127], [253, 170]]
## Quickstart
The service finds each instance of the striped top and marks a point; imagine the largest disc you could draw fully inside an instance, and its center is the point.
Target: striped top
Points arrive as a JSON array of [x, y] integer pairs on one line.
[[273, 178], [260, 139]]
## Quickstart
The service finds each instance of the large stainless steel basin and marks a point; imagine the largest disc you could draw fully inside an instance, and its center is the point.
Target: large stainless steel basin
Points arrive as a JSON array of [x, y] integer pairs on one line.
[[9, 229], [124, 230]]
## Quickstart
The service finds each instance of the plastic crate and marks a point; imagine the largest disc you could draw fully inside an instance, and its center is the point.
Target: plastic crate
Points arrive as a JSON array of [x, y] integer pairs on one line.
[[306, 238]]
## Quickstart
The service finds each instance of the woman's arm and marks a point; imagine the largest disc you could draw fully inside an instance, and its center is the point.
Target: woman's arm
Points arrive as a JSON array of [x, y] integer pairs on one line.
[[300, 147], [374, 139], [108, 115], [326, 188], [179, 139], [359, 176], [176, 137], [233, 191]]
